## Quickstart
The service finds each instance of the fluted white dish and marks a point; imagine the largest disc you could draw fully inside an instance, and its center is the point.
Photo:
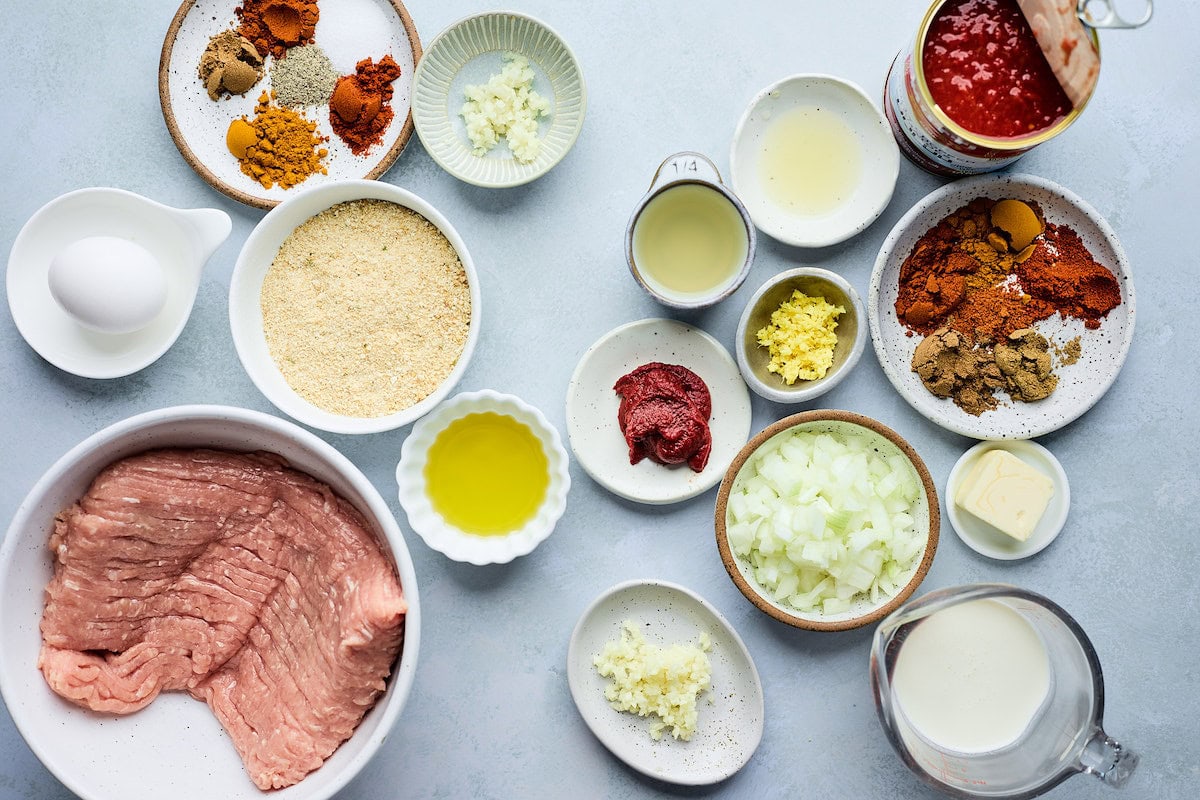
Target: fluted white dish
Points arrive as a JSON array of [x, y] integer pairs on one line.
[[469, 52], [448, 539]]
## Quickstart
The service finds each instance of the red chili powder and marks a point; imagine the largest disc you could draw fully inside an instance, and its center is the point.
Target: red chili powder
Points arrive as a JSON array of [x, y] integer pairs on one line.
[[360, 109]]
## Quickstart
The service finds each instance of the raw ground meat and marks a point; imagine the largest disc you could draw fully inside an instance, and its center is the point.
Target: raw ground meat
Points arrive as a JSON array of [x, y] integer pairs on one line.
[[247, 584]]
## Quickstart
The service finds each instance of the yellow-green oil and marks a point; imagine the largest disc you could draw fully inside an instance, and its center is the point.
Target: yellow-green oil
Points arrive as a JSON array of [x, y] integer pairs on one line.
[[487, 474]]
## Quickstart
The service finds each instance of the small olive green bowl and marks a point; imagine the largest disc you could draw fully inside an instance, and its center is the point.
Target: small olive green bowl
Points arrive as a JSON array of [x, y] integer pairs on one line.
[[753, 358]]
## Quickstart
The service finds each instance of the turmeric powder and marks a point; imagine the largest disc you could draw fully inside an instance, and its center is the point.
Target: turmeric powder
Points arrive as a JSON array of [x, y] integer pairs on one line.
[[287, 149]]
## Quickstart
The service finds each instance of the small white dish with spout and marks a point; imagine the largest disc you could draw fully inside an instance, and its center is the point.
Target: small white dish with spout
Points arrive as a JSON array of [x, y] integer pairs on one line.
[[179, 240]]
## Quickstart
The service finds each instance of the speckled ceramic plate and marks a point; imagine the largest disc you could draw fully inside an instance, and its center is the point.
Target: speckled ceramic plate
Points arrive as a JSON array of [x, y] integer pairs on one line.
[[469, 52], [348, 31], [728, 729], [987, 540], [1080, 385], [595, 434]]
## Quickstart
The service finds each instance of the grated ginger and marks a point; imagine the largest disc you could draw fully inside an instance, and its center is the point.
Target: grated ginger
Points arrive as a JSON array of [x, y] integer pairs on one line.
[[506, 106], [801, 337], [661, 681]]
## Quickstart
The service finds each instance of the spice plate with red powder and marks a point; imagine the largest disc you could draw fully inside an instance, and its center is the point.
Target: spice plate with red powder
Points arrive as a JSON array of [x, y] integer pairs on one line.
[[1103, 348], [349, 31]]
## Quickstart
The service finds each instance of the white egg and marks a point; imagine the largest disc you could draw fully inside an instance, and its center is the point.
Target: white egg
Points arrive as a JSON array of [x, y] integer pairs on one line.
[[108, 284]]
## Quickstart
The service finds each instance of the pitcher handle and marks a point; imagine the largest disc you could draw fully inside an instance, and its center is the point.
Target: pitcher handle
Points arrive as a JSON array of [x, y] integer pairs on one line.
[[1108, 759], [1103, 14]]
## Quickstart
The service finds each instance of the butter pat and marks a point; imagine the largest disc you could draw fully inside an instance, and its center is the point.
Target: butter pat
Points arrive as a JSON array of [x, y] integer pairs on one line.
[[1005, 492]]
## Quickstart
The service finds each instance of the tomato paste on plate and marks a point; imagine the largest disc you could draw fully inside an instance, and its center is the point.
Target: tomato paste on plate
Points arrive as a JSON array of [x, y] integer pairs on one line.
[[664, 415]]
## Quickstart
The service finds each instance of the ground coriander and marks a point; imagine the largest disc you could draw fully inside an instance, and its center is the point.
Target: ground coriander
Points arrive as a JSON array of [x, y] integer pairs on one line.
[[303, 77]]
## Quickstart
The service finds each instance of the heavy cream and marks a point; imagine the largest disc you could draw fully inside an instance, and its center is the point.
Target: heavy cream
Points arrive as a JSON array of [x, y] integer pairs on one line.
[[972, 677]]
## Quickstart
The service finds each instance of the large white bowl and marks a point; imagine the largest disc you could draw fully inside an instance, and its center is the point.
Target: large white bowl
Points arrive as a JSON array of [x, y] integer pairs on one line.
[[175, 747], [245, 310]]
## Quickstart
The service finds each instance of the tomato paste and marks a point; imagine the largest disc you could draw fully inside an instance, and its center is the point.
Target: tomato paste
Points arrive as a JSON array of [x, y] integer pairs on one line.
[[984, 68], [664, 415]]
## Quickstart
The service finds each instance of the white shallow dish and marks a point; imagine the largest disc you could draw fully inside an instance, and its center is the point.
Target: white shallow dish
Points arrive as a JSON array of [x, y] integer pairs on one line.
[[596, 438], [753, 358], [348, 31], [175, 747], [180, 240], [433, 528], [984, 538], [880, 160], [727, 731], [1080, 385], [245, 310], [469, 52]]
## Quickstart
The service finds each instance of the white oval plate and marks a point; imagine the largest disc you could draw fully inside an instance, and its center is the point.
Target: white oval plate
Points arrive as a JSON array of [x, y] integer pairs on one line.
[[880, 160], [348, 31], [433, 528], [596, 438], [985, 539], [1079, 385], [469, 52], [728, 730]]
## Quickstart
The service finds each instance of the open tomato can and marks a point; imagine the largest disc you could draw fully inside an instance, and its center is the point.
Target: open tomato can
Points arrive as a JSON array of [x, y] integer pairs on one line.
[[986, 81]]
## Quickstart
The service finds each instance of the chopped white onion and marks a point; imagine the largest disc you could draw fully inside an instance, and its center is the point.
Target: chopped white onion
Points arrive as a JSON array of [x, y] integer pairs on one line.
[[824, 519]]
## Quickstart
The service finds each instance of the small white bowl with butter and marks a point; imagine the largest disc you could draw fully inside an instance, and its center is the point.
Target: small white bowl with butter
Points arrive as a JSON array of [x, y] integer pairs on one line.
[[814, 160], [998, 492]]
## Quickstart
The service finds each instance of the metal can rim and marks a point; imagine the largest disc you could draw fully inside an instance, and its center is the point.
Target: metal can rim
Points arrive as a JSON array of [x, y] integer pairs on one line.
[[979, 140]]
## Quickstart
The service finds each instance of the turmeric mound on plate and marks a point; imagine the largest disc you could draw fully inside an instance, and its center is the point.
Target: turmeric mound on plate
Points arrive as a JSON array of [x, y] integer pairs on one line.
[[285, 148]]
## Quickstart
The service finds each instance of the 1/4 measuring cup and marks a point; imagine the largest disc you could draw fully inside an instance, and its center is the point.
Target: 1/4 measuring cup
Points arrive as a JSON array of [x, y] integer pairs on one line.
[[993, 691], [690, 241]]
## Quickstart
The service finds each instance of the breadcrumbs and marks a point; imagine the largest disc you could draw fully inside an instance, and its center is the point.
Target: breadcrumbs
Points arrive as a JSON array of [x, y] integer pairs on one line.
[[366, 308]]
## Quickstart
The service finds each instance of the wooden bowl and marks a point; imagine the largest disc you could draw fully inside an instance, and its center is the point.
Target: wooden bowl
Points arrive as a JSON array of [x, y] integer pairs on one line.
[[862, 611]]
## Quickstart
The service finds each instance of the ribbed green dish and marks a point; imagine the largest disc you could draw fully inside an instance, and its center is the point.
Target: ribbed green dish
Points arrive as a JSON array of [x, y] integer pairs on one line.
[[468, 52]]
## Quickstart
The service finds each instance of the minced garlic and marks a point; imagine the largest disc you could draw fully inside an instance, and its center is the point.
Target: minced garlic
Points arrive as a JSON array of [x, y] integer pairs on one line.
[[801, 337], [506, 106], [655, 680]]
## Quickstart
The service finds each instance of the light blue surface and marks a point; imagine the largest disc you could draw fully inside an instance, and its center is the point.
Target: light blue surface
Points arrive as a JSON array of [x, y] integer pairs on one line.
[[490, 714]]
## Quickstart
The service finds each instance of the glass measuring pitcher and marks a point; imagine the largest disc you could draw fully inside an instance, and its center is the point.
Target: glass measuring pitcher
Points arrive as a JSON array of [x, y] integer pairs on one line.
[[991, 658]]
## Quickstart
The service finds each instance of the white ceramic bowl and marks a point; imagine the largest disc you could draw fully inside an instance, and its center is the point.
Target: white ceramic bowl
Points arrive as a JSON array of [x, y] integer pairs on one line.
[[851, 331], [1080, 385], [245, 311], [877, 177], [862, 611], [433, 528], [984, 538], [469, 52], [729, 723], [174, 747]]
